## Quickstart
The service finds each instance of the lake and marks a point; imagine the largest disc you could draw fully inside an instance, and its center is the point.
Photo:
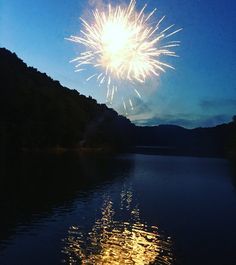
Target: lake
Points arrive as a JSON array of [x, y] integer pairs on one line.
[[125, 209]]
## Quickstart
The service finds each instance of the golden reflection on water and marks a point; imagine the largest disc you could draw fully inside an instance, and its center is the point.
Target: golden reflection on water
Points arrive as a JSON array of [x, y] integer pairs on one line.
[[118, 242]]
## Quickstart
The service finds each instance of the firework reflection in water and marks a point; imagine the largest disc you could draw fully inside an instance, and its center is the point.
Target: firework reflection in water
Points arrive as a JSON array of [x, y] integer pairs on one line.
[[118, 242]]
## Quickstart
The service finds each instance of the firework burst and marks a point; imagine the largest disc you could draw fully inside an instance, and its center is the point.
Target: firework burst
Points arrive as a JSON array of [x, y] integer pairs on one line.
[[122, 44]]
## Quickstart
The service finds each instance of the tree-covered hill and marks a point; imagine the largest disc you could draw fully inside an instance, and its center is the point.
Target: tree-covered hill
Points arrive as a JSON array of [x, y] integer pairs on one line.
[[38, 112]]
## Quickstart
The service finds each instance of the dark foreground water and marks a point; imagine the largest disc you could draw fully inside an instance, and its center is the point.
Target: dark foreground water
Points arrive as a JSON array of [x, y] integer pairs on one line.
[[131, 209]]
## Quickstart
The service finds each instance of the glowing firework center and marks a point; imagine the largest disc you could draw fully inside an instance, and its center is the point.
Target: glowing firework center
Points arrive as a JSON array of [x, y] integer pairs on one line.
[[122, 44]]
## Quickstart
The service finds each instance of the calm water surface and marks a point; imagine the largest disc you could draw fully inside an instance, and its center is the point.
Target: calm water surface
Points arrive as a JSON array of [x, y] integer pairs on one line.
[[130, 209]]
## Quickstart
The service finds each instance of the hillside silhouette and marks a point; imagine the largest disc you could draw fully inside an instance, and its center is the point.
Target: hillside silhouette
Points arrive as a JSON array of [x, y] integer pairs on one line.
[[37, 112]]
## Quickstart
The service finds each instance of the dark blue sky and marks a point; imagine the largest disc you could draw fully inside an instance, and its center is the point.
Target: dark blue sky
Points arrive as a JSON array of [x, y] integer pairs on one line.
[[200, 92]]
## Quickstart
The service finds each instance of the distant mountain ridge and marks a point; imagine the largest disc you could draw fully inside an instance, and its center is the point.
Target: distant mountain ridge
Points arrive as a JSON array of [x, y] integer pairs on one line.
[[38, 112], [217, 141]]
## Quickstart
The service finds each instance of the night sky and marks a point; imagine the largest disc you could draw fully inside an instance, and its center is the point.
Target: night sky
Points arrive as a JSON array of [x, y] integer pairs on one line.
[[201, 91]]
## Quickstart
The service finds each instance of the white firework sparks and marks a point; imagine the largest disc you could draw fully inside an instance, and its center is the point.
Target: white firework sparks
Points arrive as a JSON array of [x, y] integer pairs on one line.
[[122, 44]]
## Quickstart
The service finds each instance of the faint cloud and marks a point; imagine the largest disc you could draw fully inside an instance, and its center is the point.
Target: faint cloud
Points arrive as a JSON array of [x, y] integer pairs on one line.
[[209, 104], [141, 111], [215, 120], [91, 6], [180, 120], [144, 114], [100, 4], [184, 120]]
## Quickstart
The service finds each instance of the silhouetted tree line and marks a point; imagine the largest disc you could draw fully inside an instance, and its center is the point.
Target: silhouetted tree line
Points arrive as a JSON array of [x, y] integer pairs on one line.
[[38, 112], [232, 140]]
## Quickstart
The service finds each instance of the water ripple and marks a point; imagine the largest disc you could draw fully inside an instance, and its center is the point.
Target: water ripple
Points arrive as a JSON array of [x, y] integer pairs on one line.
[[112, 241]]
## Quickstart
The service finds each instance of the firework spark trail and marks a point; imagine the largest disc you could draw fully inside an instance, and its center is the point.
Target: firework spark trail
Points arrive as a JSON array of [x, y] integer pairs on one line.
[[122, 44]]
